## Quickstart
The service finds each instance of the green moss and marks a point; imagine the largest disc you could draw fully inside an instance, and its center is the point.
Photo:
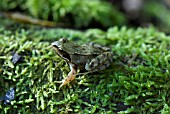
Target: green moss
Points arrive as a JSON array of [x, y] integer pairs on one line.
[[137, 81]]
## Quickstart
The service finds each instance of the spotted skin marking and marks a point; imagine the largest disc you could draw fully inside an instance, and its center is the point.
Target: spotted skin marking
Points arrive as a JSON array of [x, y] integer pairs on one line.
[[97, 62]]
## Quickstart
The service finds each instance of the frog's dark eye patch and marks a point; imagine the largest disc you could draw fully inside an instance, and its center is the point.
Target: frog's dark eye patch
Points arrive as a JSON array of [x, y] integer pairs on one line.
[[55, 46], [64, 55]]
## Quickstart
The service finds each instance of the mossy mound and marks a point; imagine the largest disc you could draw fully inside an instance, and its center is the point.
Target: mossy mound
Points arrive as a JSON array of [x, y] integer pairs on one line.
[[138, 81]]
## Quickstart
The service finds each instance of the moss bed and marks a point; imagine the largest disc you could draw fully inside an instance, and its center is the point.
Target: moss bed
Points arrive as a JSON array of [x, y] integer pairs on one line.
[[138, 81]]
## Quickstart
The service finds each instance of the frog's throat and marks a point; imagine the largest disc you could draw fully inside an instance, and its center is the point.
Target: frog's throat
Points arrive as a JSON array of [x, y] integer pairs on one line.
[[71, 75]]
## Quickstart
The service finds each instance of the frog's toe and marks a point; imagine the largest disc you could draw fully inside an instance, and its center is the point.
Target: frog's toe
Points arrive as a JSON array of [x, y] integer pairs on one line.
[[62, 83], [61, 86], [59, 81]]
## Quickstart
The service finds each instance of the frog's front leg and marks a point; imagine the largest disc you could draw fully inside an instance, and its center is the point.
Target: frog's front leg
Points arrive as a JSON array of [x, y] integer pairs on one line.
[[100, 62], [71, 75]]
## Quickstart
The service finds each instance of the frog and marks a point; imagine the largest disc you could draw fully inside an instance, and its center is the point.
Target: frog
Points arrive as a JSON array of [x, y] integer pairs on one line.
[[86, 58]]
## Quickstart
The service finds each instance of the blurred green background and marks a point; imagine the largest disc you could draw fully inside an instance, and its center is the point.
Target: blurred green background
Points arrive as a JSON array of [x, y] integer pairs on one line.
[[83, 14]]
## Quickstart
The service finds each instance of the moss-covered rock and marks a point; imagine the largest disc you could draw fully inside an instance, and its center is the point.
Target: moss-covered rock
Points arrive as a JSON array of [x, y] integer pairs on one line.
[[137, 81]]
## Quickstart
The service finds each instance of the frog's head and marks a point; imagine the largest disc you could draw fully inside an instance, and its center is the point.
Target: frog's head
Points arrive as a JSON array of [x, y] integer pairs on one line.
[[60, 48], [60, 43]]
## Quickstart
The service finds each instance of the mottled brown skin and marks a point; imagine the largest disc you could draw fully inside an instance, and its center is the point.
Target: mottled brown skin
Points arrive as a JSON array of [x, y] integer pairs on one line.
[[87, 58]]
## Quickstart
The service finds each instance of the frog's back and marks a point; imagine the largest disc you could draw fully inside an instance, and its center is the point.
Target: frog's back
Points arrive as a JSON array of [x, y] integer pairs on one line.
[[84, 50]]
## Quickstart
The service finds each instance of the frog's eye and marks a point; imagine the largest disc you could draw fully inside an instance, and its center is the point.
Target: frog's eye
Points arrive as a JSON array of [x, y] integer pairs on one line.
[[63, 40]]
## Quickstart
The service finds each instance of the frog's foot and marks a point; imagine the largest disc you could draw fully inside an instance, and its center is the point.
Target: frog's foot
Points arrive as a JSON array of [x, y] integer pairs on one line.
[[67, 80], [71, 76]]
